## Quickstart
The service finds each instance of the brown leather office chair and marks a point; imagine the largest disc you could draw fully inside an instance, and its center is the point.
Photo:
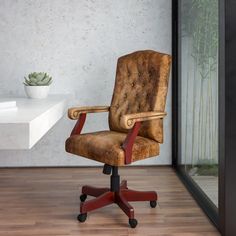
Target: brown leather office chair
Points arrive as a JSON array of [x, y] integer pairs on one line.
[[136, 129]]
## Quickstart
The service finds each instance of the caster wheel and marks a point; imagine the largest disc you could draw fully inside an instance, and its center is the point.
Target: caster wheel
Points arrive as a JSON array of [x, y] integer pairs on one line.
[[83, 197], [82, 217], [153, 204], [133, 223]]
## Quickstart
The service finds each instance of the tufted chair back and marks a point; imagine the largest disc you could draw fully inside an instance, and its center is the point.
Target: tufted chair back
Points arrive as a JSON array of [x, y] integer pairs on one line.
[[141, 85]]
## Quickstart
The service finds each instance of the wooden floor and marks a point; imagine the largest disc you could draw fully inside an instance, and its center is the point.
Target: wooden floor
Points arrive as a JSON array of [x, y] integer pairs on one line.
[[45, 201]]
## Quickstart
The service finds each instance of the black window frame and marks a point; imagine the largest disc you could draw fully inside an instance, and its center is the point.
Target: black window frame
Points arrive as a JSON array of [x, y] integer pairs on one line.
[[224, 217]]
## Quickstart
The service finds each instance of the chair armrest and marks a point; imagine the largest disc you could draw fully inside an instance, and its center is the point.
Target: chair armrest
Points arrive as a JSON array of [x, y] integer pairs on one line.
[[74, 112], [133, 123], [127, 121]]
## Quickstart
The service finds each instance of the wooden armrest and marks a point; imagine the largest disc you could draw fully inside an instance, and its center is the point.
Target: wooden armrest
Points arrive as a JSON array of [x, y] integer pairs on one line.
[[127, 121], [74, 112], [133, 123]]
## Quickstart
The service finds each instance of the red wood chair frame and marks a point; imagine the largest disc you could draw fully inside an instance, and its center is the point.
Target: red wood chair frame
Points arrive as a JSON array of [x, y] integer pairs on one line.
[[104, 196]]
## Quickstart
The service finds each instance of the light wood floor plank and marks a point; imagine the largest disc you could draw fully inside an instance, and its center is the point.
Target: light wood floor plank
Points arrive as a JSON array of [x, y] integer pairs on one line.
[[45, 201]]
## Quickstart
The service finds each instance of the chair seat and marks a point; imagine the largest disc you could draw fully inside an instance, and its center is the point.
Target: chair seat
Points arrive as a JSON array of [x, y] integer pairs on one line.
[[105, 147]]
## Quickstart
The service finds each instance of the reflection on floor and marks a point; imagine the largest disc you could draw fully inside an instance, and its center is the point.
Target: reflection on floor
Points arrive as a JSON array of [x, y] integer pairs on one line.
[[209, 185], [45, 201]]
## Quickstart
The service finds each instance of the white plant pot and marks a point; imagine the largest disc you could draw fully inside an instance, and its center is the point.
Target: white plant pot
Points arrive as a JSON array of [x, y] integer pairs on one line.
[[38, 92]]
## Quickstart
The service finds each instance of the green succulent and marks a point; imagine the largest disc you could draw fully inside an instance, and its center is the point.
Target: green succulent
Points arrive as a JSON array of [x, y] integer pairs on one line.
[[38, 79]]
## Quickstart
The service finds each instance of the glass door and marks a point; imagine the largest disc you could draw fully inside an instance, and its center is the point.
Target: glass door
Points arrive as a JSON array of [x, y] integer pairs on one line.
[[198, 94]]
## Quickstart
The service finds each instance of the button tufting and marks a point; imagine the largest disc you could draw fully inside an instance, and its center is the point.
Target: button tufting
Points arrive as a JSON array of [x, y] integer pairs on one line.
[[136, 90]]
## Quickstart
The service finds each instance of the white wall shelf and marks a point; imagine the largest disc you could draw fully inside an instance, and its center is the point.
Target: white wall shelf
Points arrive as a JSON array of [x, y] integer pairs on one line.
[[24, 127]]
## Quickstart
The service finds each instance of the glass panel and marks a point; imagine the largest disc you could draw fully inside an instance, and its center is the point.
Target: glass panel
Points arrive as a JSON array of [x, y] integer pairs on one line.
[[199, 93]]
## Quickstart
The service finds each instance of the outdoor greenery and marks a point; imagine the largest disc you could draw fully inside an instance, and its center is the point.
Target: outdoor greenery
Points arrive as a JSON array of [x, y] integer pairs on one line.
[[204, 168], [200, 31]]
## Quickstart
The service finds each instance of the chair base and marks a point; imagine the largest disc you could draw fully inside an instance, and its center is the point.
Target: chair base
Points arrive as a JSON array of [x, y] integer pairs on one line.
[[122, 197]]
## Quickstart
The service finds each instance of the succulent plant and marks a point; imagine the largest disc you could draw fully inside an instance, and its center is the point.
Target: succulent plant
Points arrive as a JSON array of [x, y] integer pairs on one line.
[[38, 79]]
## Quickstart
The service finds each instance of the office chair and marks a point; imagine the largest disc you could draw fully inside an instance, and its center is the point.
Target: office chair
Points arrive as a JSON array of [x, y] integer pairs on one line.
[[136, 130]]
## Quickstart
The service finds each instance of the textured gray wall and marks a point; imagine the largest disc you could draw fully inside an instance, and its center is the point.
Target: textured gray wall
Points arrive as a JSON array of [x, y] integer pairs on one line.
[[78, 43]]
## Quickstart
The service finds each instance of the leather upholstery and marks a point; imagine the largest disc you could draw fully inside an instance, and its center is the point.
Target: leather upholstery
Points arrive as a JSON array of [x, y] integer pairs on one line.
[[141, 86], [139, 95], [105, 146]]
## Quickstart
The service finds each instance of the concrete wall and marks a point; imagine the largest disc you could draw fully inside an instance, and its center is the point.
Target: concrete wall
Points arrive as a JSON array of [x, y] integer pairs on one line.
[[78, 43]]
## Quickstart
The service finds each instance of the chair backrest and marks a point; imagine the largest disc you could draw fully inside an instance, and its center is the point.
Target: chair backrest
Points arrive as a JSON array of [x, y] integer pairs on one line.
[[141, 85]]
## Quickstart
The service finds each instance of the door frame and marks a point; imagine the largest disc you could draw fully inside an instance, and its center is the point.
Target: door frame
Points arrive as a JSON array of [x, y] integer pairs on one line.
[[217, 216]]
